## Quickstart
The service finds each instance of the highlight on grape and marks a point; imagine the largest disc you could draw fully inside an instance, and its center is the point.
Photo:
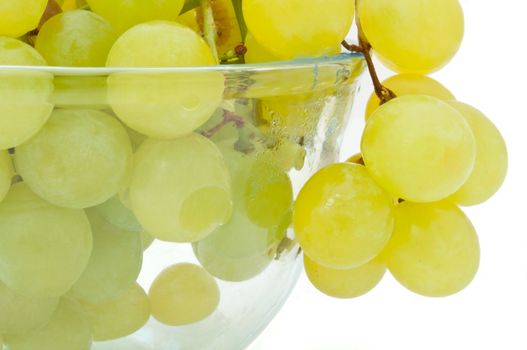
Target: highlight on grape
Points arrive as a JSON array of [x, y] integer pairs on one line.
[[92, 174]]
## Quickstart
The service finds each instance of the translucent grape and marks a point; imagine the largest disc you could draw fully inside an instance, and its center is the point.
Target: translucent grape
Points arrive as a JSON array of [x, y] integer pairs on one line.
[[410, 84], [434, 250], [6, 173], [114, 264], [20, 16], [183, 294], [180, 189], [24, 95], [119, 317], [165, 105], [43, 248], [69, 329], [349, 283], [342, 218], [22, 314], [491, 158], [413, 36], [124, 14], [418, 148], [299, 28], [117, 214], [79, 159], [76, 38], [256, 53]]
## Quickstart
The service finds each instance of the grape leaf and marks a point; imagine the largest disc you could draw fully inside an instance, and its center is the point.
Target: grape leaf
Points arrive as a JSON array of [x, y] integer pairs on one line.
[[191, 5]]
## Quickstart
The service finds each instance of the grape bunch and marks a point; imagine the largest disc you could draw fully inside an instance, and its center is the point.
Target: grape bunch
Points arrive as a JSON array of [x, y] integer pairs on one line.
[[94, 169]]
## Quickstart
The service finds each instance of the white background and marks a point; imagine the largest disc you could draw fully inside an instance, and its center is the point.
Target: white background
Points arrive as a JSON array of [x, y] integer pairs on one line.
[[490, 73]]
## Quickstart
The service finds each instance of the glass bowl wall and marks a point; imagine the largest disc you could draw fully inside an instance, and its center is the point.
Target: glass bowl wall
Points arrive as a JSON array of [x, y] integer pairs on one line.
[[292, 114]]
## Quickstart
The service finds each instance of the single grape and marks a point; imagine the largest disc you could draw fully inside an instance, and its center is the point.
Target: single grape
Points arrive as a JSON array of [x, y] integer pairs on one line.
[[24, 95], [20, 16], [180, 189], [117, 214], [79, 159], [69, 329], [183, 294], [299, 28], [434, 250], [164, 105], [76, 38], [68, 5], [114, 264], [124, 14], [491, 158], [418, 148], [43, 248], [22, 314], [410, 84], [413, 36], [256, 53], [342, 218], [348, 283], [6, 173], [119, 317]]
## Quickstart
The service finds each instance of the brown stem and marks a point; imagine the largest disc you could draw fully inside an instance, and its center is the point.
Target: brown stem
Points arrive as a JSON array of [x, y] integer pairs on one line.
[[228, 117]]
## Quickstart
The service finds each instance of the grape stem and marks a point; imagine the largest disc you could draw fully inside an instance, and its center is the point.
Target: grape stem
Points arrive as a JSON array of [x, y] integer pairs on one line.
[[228, 117], [210, 32]]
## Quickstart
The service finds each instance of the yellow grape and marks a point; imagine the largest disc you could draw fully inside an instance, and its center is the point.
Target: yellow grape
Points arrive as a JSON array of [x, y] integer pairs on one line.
[[76, 38], [299, 28], [6, 173], [43, 248], [410, 84], [180, 189], [20, 16], [166, 105], [256, 53], [22, 314], [114, 264], [24, 95], [434, 250], [68, 4], [491, 158], [69, 329], [348, 283], [119, 317], [80, 92], [418, 148], [124, 14], [413, 36], [342, 218], [183, 294]]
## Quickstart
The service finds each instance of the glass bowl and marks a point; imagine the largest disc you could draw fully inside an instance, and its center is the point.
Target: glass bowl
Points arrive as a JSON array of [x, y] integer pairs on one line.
[[282, 122]]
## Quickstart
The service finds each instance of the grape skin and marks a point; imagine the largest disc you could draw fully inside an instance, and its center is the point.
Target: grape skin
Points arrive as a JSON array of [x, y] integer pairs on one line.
[[20, 16], [117, 214], [418, 148], [6, 173], [434, 250], [342, 218]]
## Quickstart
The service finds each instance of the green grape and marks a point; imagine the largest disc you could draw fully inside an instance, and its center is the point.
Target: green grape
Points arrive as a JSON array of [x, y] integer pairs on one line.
[[79, 159], [413, 36], [183, 294], [114, 264], [418, 148], [163, 105], [299, 28], [76, 38], [80, 92], [124, 14], [24, 95], [491, 158], [20, 16], [119, 317], [348, 283], [180, 189], [6, 173], [43, 248], [69, 329], [256, 53], [342, 218], [146, 240], [117, 214], [434, 250], [22, 314], [410, 84]]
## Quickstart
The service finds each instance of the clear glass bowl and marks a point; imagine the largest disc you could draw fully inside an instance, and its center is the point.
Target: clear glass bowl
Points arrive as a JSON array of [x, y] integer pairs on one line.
[[294, 113]]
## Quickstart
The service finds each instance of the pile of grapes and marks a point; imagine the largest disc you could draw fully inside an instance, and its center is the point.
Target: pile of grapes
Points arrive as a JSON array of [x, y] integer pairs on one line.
[[85, 191]]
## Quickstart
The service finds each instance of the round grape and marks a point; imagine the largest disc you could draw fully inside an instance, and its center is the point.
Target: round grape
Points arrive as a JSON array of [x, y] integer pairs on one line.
[[20, 16]]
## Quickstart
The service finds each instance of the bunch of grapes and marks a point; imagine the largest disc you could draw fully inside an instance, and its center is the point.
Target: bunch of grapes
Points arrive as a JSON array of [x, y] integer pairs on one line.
[[88, 181]]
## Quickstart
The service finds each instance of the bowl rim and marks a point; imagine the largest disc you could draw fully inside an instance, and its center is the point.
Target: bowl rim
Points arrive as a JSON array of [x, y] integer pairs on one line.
[[304, 63]]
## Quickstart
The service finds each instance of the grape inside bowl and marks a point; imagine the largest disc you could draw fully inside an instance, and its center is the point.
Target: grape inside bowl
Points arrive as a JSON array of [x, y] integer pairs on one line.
[[176, 187]]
